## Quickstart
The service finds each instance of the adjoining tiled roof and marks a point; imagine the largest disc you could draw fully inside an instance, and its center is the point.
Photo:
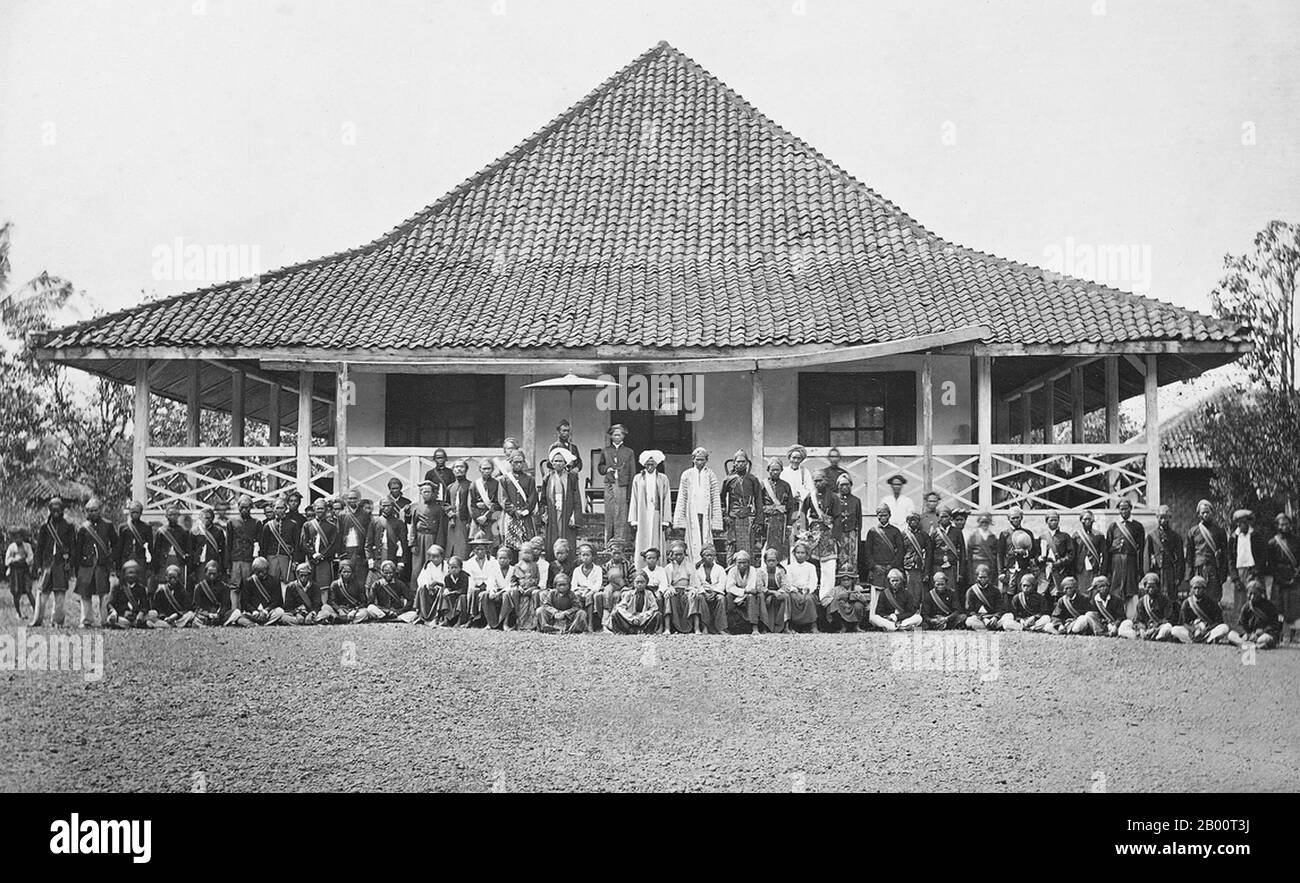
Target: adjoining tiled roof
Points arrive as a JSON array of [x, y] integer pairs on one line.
[[657, 211], [1179, 445]]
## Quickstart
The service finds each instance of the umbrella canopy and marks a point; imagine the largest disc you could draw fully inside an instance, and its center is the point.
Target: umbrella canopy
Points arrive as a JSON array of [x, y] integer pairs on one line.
[[570, 382]]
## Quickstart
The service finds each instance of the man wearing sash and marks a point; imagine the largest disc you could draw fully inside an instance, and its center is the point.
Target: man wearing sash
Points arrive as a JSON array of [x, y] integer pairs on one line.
[[984, 601], [699, 504], [1164, 555], [519, 502], [278, 542], [426, 525], [484, 505], [777, 505], [243, 533], [1057, 556], [318, 544], [1017, 550], [1207, 551], [459, 518], [916, 558], [561, 500], [982, 546], [1200, 621], [939, 608], [208, 542], [1070, 615], [92, 554], [884, 550], [1259, 623], [212, 598], [391, 600], [399, 500], [1088, 543], [344, 602], [947, 550], [1107, 610], [260, 599], [128, 602], [386, 541], [892, 608], [172, 545], [135, 538], [1127, 541], [353, 533], [848, 603], [617, 464], [1247, 556], [302, 598], [170, 605], [1028, 609], [1151, 623], [650, 505], [709, 599], [1284, 564], [740, 497]]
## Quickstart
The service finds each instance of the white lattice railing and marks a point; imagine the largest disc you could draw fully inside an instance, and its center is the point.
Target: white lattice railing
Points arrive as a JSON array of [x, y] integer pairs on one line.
[[1067, 479]]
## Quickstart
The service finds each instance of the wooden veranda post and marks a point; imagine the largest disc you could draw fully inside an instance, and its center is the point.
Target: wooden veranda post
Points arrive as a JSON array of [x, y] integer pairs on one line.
[[1152, 390], [237, 409], [343, 396], [304, 435], [984, 392], [927, 423], [140, 434], [756, 419], [530, 423]]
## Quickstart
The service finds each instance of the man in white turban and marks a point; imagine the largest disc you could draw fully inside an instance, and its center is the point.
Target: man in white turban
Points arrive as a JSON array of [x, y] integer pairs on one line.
[[649, 506]]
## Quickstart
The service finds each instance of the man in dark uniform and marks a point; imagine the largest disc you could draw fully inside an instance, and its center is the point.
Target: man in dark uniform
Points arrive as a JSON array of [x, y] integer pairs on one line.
[[948, 552], [917, 553], [399, 500], [208, 543], [128, 602], [53, 553], [884, 548], [741, 495], [1090, 559], [564, 439], [618, 465], [318, 544], [1284, 563], [939, 607], [1057, 557], [172, 546], [93, 554], [1165, 553], [485, 504], [278, 542], [135, 539], [1017, 551], [387, 541], [243, 532], [1259, 622], [293, 513], [354, 533], [1207, 551], [1127, 541], [440, 472]]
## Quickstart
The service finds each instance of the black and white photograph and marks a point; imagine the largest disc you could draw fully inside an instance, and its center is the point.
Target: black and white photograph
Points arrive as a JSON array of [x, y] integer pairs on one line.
[[546, 396]]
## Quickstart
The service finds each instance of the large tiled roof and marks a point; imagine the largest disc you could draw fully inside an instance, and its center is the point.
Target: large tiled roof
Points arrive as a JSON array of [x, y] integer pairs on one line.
[[658, 211]]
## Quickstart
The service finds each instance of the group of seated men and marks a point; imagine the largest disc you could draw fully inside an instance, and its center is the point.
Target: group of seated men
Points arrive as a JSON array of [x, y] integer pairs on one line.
[[344, 566]]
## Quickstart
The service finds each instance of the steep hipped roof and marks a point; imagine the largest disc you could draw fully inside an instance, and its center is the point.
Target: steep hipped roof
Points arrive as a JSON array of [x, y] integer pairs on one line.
[[655, 212]]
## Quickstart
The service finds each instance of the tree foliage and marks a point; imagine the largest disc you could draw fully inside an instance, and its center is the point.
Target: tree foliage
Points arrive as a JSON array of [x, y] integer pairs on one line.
[[1254, 438]]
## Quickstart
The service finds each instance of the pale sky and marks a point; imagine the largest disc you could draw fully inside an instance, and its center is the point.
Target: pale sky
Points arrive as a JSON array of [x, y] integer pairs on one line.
[[1031, 130]]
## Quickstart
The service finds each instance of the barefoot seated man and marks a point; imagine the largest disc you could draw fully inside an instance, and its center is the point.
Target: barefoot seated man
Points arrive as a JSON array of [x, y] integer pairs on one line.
[[452, 601], [1107, 610], [891, 604], [302, 602], [637, 612], [588, 584], [212, 598], [680, 577], [1260, 622], [1150, 620], [939, 608], [520, 608], [391, 600], [261, 598], [802, 588], [345, 601], [1200, 621], [169, 606], [709, 599], [560, 610], [1028, 608], [984, 601], [128, 602]]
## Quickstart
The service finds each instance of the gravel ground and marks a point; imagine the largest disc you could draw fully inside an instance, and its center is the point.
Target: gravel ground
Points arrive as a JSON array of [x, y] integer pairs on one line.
[[391, 707]]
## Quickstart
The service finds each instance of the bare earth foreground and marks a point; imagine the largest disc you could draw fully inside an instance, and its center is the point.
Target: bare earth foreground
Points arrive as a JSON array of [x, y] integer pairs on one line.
[[393, 707]]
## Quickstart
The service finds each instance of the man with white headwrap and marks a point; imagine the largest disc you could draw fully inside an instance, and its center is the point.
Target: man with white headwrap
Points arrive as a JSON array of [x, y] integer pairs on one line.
[[649, 507], [1206, 551], [699, 504], [561, 500]]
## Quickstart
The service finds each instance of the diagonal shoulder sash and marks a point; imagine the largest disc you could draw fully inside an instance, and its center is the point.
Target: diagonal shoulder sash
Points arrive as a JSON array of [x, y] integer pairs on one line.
[[940, 603], [101, 546], [279, 539], [983, 597], [1128, 535], [1209, 537], [58, 543], [1103, 608], [266, 596], [1065, 599], [1146, 604], [1286, 549], [947, 541], [885, 538], [1200, 614], [1087, 541], [911, 538]]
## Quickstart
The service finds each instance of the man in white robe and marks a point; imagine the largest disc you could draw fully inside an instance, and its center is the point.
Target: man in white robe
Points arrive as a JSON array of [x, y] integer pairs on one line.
[[699, 504], [649, 506]]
